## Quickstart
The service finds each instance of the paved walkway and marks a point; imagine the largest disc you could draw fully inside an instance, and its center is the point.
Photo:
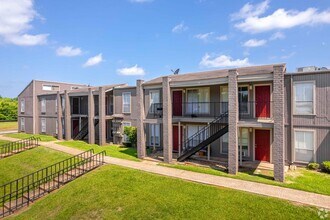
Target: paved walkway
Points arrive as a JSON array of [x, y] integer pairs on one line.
[[298, 196]]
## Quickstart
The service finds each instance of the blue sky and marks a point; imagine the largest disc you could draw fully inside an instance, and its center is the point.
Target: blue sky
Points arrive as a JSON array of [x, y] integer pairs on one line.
[[104, 42]]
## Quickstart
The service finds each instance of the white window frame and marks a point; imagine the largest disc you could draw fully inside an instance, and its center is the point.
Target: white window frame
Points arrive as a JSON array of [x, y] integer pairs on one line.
[[294, 143], [56, 127], [294, 97], [152, 129], [43, 105], [22, 124], [223, 101], [128, 124], [130, 102], [43, 125], [248, 101], [152, 110], [56, 105], [22, 105], [248, 142], [51, 87], [209, 98]]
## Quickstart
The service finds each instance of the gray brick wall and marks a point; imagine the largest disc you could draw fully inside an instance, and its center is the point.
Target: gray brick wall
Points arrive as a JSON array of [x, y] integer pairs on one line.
[[91, 114], [167, 121], [67, 116], [102, 132], [141, 141]]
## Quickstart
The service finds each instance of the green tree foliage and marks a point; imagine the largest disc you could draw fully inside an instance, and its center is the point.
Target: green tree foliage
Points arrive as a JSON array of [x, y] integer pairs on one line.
[[131, 133], [8, 108]]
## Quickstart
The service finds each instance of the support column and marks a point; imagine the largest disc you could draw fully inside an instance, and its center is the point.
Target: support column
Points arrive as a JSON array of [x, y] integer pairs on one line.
[[141, 139], [59, 117], [67, 116], [278, 115], [167, 121], [91, 115], [102, 134], [232, 122]]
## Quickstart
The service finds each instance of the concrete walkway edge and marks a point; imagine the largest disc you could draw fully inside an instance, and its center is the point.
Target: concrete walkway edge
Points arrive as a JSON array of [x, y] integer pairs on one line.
[[292, 195]]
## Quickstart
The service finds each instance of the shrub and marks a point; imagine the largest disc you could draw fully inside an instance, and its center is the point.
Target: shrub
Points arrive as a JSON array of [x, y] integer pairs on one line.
[[326, 166], [131, 133], [313, 166]]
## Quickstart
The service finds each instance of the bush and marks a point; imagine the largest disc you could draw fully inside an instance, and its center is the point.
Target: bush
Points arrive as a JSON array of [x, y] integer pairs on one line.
[[326, 166], [131, 133], [313, 166]]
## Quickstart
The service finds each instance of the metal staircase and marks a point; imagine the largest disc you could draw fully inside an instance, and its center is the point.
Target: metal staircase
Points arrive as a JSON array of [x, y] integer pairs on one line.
[[204, 137], [84, 131]]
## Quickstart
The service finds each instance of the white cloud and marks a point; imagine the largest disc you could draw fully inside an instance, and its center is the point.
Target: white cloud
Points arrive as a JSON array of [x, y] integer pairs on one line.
[[94, 61], [254, 43], [179, 28], [249, 10], [131, 71], [204, 37], [288, 55], [68, 51], [141, 1], [222, 61], [15, 22], [280, 19], [222, 37], [277, 36]]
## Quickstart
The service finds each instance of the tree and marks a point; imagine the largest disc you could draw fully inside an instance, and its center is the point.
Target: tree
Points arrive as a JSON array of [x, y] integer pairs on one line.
[[8, 108], [131, 133]]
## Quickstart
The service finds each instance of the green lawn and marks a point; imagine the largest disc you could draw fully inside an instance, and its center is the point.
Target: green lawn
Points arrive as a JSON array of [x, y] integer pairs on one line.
[[8, 126], [111, 150], [301, 178], [26, 162], [44, 138], [3, 142], [113, 192]]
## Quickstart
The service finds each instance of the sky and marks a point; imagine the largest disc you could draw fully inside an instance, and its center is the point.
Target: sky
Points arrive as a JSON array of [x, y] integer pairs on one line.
[[99, 42]]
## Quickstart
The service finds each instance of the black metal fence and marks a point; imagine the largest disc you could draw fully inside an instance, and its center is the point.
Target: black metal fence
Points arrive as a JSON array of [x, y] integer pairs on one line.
[[15, 147], [23, 191]]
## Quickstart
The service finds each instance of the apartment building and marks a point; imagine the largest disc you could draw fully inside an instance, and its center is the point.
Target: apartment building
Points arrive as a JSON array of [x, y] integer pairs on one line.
[[257, 113]]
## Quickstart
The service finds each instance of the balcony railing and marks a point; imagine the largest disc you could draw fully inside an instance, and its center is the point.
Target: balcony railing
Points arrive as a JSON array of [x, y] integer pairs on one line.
[[255, 109], [155, 110]]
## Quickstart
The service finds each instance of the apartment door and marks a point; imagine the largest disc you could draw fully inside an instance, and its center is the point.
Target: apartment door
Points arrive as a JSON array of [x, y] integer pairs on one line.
[[262, 145], [177, 103], [176, 139], [262, 94]]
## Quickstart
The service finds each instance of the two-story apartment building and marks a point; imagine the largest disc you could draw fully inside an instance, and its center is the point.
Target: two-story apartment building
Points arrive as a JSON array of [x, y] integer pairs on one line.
[[256, 113]]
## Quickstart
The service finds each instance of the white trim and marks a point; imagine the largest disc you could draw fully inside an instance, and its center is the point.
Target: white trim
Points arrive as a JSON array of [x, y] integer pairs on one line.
[[50, 85], [22, 120], [294, 95], [22, 100], [271, 98], [153, 91], [45, 125], [43, 102], [243, 85], [130, 104], [294, 143], [194, 83]]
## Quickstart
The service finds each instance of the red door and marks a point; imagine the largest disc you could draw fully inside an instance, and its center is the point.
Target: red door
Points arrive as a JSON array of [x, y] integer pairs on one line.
[[262, 145], [177, 103], [176, 137], [262, 101]]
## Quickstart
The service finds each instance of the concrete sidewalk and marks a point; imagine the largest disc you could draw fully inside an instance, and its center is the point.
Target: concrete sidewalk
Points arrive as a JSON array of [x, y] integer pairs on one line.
[[292, 195]]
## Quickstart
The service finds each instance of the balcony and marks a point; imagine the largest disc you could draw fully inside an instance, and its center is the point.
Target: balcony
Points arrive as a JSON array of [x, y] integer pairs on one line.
[[255, 110]]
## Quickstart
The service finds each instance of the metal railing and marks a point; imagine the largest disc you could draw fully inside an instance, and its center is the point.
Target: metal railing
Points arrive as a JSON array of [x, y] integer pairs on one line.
[[23, 191], [206, 132], [15, 147], [156, 110], [255, 109]]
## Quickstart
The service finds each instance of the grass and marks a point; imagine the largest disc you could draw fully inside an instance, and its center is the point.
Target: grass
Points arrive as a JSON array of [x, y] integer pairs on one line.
[[8, 126], [3, 142], [111, 150], [301, 179], [44, 138], [21, 164], [113, 192]]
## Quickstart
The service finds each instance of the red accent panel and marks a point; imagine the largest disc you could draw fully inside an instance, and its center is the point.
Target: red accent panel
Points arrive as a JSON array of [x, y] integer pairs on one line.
[[177, 103], [176, 137], [262, 101], [262, 145]]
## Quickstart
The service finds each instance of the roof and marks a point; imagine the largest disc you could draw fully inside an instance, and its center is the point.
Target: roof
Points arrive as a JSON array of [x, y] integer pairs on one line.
[[46, 81], [213, 74]]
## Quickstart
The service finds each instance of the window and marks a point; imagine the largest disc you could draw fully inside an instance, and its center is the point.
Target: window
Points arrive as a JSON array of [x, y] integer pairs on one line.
[[56, 127], [56, 105], [43, 125], [50, 88], [304, 98], [224, 99], [154, 134], [22, 124], [126, 102], [154, 101], [192, 130], [125, 138], [243, 99], [224, 144], [43, 105], [304, 145], [22, 105], [244, 141], [198, 101]]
